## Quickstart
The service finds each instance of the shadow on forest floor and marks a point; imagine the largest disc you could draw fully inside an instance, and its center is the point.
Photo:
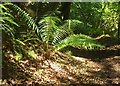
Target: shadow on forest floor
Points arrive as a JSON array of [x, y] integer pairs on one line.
[[93, 54], [112, 49], [63, 71], [84, 68]]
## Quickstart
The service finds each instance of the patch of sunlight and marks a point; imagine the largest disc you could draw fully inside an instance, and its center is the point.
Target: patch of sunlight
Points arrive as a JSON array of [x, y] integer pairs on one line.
[[0, 81], [37, 73], [94, 80], [24, 62], [60, 60], [11, 55], [32, 68], [116, 67], [71, 78], [96, 69], [39, 57], [46, 78], [56, 66], [80, 59], [94, 64], [83, 71], [116, 81]]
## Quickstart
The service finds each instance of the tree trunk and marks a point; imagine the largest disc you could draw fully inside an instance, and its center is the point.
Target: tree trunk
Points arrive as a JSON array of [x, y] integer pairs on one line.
[[65, 10]]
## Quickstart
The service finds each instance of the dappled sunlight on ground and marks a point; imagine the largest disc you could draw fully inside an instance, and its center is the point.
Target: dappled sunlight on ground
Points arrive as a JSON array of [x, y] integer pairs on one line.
[[62, 70]]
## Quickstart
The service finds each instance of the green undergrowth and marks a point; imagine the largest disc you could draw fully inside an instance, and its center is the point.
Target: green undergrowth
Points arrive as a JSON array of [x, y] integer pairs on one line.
[[79, 41]]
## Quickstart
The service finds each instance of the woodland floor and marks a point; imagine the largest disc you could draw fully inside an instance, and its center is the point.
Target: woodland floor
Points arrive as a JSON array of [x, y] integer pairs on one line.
[[84, 68]]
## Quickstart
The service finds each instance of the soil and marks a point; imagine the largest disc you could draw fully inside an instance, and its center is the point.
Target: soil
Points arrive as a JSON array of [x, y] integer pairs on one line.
[[98, 67]]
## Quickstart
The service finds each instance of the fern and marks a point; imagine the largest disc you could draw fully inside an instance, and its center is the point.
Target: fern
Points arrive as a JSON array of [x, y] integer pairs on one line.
[[79, 41], [60, 35], [50, 33], [25, 17], [48, 28], [6, 20], [65, 30]]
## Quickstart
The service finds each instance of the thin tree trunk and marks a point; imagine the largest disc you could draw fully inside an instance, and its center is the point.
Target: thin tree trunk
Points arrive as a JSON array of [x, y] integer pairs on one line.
[[65, 10]]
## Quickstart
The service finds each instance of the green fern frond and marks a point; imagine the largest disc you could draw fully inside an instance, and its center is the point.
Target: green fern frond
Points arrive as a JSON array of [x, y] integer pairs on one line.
[[66, 30], [48, 28], [25, 16], [2, 7], [60, 35], [79, 41], [7, 29], [6, 20]]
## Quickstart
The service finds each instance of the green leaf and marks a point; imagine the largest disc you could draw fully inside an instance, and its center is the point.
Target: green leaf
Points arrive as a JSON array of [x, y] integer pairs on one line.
[[32, 53], [18, 56]]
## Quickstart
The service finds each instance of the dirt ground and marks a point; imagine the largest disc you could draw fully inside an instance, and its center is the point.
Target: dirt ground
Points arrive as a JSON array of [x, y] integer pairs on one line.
[[84, 68]]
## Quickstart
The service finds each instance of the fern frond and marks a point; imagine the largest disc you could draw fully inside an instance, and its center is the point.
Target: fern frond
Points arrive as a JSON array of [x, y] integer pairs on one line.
[[2, 7], [66, 30], [60, 35], [48, 28], [79, 41], [6, 20], [25, 16]]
